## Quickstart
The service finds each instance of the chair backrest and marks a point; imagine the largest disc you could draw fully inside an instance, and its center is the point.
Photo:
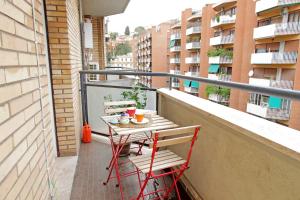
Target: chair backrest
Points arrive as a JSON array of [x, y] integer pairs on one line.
[[114, 107], [173, 137]]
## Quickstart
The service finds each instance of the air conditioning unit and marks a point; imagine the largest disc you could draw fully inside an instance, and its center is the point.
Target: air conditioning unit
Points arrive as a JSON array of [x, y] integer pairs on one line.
[[94, 66]]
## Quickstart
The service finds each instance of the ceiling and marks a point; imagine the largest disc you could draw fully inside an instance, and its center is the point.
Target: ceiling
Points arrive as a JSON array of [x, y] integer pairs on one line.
[[104, 7]]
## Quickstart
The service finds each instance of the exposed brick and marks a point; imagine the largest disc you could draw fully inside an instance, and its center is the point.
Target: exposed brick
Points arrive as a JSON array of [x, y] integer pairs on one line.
[[20, 103], [23, 5], [2, 76], [16, 74], [4, 112], [11, 91], [24, 32], [7, 24], [8, 58], [13, 12], [29, 85], [21, 133], [26, 158], [5, 148], [13, 42], [8, 183]]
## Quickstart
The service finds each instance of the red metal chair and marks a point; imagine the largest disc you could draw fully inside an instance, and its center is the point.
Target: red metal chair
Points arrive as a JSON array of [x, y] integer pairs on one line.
[[160, 161]]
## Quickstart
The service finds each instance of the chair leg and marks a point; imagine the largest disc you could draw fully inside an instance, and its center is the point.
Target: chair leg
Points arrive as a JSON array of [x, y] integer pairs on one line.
[[176, 188], [141, 194], [113, 161], [139, 177], [119, 180], [174, 184]]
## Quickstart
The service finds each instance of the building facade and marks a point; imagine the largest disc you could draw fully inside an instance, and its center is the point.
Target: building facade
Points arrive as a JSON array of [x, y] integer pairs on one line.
[[123, 61], [243, 41]]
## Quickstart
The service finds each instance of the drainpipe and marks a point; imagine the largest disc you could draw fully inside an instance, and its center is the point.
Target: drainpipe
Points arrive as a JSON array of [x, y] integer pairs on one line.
[[41, 103]]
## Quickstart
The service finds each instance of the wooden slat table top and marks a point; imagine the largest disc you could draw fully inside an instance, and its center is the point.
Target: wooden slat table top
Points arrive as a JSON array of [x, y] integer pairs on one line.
[[158, 123]]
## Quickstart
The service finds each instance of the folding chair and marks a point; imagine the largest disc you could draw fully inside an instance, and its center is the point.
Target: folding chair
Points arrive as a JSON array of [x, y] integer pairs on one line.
[[118, 142], [160, 161]]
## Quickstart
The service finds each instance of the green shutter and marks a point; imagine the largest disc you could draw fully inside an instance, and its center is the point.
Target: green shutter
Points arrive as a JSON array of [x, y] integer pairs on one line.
[[195, 84], [213, 68], [275, 102], [172, 43], [187, 83]]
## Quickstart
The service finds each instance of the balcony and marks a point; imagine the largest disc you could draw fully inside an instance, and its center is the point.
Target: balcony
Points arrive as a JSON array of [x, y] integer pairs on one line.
[[220, 60], [192, 45], [172, 71], [175, 49], [175, 60], [284, 84], [274, 58], [192, 74], [222, 20], [279, 29], [265, 5], [218, 99], [192, 60], [175, 36], [193, 30], [175, 85], [220, 77], [219, 40]]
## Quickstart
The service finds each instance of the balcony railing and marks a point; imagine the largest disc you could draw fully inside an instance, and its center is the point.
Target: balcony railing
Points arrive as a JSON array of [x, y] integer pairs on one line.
[[172, 71], [196, 74], [279, 29], [218, 98], [223, 20], [220, 77], [175, 85], [220, 60], [192, 45], [175, 36], [284, 84], [175, 60], [193, 30], [192, 60], [264, 5], [274, 58], [175, 49], [191, 90], [219, 40]]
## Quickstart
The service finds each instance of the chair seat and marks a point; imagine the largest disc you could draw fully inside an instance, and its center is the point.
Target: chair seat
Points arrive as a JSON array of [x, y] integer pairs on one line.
[[132, 138], [163, 160]]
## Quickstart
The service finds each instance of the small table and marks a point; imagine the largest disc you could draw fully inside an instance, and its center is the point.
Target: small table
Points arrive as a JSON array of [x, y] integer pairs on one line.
[[156, 123]]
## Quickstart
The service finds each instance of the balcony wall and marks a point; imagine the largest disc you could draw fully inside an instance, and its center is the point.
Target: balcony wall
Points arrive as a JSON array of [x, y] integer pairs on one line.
[[232, 158], [279, 29]]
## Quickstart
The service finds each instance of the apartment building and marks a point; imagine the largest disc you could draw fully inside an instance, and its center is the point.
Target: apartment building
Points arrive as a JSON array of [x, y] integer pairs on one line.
[[124, 61], [151, 54]]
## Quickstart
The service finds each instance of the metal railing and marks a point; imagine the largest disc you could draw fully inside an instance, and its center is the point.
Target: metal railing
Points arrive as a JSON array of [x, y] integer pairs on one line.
[[284, 93]]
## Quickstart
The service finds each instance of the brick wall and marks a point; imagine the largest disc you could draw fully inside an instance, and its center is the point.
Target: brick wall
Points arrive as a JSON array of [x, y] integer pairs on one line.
[[98, 41], [65, 54], [22, 150]]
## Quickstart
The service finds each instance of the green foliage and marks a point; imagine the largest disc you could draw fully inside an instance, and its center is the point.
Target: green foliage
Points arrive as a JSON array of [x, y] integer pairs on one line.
[[136, 94], [113, 35], [127, 31], [219, 52], [122, 49], [218, 18], [212, 89], [139, 30]]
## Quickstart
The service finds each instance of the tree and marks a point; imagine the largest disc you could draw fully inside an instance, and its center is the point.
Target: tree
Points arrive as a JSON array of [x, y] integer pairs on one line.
[[122, 49], [127, 31], [139, 30], [113, 35]]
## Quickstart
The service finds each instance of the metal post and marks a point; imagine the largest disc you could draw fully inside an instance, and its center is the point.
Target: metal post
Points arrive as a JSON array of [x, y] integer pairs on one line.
[[170, 82], [82, 93]]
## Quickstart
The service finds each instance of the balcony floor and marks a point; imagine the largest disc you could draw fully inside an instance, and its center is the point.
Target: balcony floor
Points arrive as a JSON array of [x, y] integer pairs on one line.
[[90, 173]]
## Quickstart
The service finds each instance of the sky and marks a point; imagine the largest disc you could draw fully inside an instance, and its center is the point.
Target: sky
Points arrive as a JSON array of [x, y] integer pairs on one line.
[[151, 12]]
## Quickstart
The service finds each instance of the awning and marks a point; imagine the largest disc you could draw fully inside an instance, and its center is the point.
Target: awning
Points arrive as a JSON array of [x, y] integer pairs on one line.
[[213, 68], [275, 102], [187, 83], [195, 84], [104, 7], [172, 43]]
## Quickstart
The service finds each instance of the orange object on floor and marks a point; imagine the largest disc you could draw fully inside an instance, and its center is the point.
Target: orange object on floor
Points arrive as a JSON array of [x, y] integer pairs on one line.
[[86, 133]]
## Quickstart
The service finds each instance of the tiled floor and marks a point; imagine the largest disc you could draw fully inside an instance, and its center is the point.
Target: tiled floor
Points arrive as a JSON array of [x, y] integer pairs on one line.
[[90, 173]]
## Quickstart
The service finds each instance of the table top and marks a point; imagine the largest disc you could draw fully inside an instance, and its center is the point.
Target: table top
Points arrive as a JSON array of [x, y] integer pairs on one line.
[[158, 123]]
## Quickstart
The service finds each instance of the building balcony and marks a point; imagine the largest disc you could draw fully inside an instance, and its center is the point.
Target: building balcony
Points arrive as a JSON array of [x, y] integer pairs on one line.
[[220, 77], [284, 84], [175, 60], [193, 30], [192, 45], [175, 49], [219, 40], [172, 71], [192, 60], [265, 5], [220, 60], [175, 36], [274, 58], [175, 85], [279, 29], [191, 90], [218, 99], [228, 144], [222, 20], [192, 74]]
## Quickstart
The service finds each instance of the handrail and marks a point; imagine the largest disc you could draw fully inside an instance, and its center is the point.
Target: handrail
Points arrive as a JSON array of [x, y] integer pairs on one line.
[[285, 93]]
